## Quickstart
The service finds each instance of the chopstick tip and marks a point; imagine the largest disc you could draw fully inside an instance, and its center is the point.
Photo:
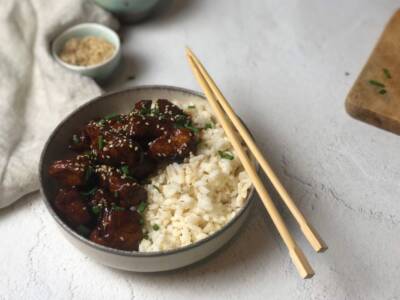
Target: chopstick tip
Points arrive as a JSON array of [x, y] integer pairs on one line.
[[187, 50], [322, 249]]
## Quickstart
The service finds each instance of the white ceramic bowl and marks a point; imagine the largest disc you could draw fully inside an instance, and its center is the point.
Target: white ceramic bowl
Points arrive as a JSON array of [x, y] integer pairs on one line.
[[56, 148], [101, 71]]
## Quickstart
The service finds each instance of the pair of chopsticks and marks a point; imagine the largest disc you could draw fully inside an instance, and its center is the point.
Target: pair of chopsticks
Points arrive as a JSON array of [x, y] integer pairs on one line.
[[232, 125]]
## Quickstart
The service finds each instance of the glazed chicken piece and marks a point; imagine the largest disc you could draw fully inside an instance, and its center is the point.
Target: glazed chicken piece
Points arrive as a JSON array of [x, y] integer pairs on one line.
[[173, 147], [92, 130], [129, 192], [145, 167], [145, 122], [111, 145], [79, 142], [172, 112], [143, 105], [119, 229], [102, 199], [118, 150], [70, 172], [145, 127], [70, 204], [97, 130], [102, 127]]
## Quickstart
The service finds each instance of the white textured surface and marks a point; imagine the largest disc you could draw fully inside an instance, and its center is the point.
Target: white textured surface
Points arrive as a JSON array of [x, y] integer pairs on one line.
[[282, 64]]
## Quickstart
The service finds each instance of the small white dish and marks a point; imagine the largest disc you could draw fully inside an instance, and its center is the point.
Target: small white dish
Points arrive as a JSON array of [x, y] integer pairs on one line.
[[101, 71]]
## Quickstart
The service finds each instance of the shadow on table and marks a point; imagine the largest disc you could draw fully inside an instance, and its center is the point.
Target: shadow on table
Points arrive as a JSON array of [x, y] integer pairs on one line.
[[131, 65], [172, 9]]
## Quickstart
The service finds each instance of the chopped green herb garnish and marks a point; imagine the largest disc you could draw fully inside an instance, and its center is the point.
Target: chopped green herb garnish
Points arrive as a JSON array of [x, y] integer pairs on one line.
[[226, 155], [145, 236], [156, 227], [141, 221], [376, 83], [209, 126], [96, 210], [117, 208], [101, 122], [100, 142], [144, 111], [191, 106], [83, 230], [186, 124], [155, 111], [181, 121], [112, 116], [88, 173], [90, 192], [157, 188], [387, 73], [75, 139], [116, 194], [141, 207], [125, 170], [382, 92], [192, 128]]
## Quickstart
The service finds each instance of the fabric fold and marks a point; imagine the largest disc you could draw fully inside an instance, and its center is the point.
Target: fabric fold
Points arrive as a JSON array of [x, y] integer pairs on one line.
[[35, 91]]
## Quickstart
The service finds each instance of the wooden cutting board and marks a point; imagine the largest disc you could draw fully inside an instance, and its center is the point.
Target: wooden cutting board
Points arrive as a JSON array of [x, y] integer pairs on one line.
[[375, 96]]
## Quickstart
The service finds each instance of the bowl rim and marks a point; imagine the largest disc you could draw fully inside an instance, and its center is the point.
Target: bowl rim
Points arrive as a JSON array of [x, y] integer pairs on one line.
[[70, 231], [79, 27]]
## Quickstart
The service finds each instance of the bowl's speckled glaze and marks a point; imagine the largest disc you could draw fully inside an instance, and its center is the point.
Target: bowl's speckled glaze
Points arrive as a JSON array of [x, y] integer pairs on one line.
[[56, 148]]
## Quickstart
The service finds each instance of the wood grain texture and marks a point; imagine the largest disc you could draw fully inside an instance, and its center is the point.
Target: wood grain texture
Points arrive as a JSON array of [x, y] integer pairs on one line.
[[364, 102]]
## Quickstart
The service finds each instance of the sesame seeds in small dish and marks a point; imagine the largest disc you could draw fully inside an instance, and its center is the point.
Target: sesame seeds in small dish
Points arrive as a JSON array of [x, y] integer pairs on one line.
[[145, 179], [89, 49]]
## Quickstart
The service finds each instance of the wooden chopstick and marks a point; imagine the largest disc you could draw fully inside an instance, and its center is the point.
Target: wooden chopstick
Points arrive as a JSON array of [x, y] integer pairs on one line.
[[296, 254], [309, 232]]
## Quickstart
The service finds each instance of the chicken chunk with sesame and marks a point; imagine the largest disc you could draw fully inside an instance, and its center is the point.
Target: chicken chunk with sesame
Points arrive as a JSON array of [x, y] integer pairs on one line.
[[99, 193], [128, 191], [119, 229], [70, 172], [117, 151], [69, 203], [174, 147]]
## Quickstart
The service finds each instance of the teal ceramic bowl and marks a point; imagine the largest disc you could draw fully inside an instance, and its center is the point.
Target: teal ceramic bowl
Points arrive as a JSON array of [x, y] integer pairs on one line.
[[130, 11], [101, 71]]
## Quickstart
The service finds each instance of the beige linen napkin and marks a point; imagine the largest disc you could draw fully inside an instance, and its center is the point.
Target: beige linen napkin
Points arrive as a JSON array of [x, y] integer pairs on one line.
[[36, 92]]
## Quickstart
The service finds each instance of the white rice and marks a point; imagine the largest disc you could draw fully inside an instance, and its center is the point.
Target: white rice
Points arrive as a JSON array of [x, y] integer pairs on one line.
[[189, 201]]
